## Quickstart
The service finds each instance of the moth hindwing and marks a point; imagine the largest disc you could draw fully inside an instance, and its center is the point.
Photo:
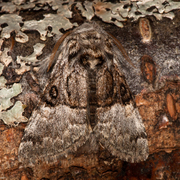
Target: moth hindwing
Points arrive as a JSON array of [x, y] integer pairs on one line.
[[86, 94]]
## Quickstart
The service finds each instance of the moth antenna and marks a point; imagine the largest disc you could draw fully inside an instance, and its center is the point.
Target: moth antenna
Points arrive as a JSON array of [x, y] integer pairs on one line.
[[12, 43], [11, 49], [56, 48], [123, 51], [12, 38]]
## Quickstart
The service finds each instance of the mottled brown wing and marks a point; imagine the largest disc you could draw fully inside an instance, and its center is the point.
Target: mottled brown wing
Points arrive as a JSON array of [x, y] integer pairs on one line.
[[59, 125], [120, 128]]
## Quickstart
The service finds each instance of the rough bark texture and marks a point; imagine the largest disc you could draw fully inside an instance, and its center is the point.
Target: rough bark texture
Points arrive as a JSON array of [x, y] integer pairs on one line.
[[158, 101]]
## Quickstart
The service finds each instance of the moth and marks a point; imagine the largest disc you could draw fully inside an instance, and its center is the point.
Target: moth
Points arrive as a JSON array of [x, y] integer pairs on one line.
[[86, 94]]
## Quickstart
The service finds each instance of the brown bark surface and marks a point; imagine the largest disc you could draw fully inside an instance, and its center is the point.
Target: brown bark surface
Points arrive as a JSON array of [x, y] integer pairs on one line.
[[158, 101]]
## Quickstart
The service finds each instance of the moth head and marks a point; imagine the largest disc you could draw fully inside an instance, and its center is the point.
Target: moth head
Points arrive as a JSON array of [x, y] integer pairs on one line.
[[90, 61]]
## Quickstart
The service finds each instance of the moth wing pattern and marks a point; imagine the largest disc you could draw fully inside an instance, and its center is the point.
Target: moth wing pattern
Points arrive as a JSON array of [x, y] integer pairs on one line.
[[47, 139], [86, 94], [120, 129], [59, 125]]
